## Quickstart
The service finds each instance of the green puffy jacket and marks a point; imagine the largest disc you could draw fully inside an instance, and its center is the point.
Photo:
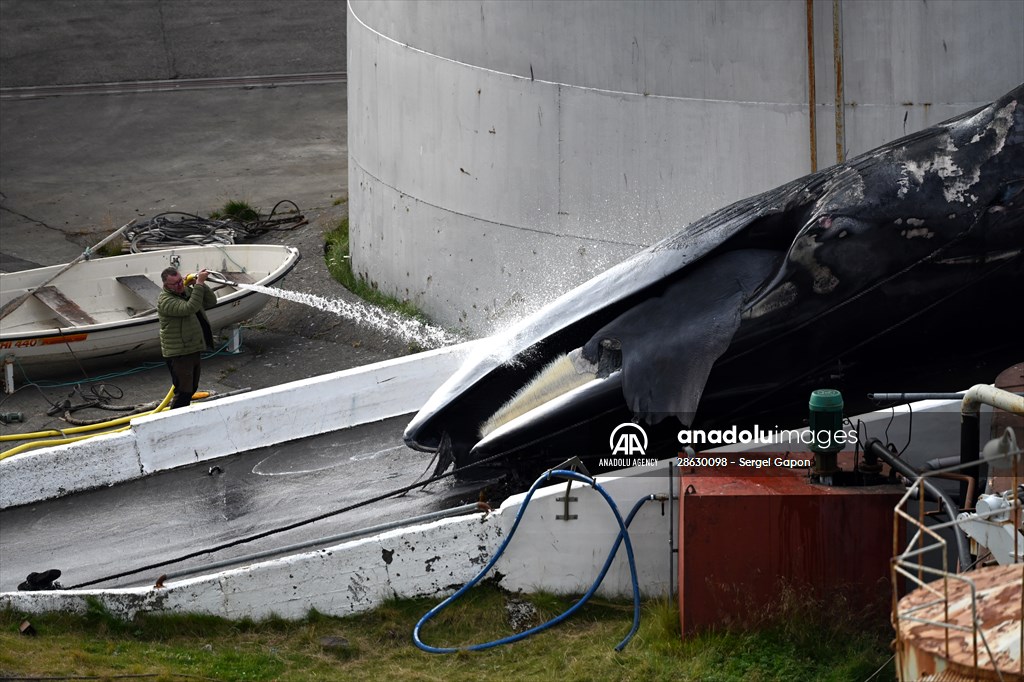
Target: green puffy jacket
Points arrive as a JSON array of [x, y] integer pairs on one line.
[[181, 332]]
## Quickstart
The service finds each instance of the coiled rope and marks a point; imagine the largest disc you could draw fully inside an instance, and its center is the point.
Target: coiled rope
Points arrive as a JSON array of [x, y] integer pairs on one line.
[[185, 229]]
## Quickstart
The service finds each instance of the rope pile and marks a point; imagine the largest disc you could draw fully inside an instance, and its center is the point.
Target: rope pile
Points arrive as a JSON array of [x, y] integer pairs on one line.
[[185, 229], [100, 397]]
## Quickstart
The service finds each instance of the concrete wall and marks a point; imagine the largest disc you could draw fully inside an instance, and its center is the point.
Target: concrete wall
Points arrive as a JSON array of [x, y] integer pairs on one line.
[[502, 152], [432, 559], [348, 578]]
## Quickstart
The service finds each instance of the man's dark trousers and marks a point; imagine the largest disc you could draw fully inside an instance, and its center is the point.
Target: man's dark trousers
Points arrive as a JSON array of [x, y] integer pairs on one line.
[[185, 377]]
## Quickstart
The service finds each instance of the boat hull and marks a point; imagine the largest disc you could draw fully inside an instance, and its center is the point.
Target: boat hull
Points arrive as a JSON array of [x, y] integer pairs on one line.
[[115, 321]]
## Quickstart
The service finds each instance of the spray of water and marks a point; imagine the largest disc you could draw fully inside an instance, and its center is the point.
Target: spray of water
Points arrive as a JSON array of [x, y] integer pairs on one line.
[[411, 331]]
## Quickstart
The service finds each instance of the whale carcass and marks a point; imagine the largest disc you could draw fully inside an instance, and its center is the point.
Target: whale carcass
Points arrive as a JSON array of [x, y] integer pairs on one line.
[[892, 267]]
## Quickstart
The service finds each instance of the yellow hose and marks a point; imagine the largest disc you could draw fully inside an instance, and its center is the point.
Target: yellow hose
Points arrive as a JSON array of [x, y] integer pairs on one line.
[[77, 429], [60, 441], [90, 427]]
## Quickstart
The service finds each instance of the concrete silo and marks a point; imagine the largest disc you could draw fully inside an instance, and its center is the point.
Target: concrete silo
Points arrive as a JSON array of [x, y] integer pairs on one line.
[[501, 152]]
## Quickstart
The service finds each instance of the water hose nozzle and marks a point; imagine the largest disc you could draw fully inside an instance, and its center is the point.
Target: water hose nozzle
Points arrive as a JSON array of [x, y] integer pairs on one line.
[[219, 278]]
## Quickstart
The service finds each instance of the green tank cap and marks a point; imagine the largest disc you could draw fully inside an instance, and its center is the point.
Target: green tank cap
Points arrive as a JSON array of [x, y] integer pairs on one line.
[[825, 421], [826, 400]]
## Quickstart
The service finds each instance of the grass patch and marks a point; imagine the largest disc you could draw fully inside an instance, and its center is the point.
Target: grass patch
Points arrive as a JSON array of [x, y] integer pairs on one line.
[[815, 644], [115, 247], [236, 210], [339, 264]]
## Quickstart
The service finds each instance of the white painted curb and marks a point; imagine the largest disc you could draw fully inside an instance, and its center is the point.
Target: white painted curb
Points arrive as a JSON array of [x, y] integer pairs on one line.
[[432, 559], [230, 425]]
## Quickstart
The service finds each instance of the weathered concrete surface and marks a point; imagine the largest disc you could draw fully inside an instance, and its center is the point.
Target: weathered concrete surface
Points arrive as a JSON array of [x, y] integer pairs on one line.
[[430, 559], [356, 576], [170, 514], [74, 168], [69, 41]]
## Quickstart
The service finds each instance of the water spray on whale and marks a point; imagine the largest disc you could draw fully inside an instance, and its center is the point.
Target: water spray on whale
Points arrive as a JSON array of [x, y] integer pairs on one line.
[[411, 331]]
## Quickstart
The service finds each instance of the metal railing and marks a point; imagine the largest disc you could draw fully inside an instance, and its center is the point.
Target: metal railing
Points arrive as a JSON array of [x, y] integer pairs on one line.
[[930, 589]]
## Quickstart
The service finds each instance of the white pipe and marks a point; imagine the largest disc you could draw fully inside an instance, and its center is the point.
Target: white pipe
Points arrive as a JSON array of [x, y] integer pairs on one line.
[[990, 395]]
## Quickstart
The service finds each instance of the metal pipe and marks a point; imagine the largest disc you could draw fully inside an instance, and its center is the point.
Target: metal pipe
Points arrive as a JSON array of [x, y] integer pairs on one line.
[[944, 462], [671, 528], [876, 449], [970, 435], [970, 422], [913, 397], [218, 396], [348, 535], [990, 395], [219, 278], [837, 55], [811, 94], [966, 480]]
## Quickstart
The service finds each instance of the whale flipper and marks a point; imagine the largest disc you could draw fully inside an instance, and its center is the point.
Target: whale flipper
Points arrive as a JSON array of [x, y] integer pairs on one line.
[[669, 343]]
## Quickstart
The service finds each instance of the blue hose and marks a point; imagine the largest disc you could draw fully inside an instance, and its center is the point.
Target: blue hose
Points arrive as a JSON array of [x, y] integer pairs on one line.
[[622, 536]]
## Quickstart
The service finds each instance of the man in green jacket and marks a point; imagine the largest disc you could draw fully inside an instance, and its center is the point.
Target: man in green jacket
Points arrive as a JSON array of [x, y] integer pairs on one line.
[[184, 330]]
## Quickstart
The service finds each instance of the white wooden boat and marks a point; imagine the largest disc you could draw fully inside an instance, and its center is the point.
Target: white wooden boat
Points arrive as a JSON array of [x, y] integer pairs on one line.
[[104, 309]]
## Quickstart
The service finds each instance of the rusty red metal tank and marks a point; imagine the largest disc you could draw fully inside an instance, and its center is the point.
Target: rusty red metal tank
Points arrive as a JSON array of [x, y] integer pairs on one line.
[[743, 538]]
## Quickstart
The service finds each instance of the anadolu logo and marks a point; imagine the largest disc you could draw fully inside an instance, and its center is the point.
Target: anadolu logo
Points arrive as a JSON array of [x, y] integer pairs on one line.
[[628, 439]]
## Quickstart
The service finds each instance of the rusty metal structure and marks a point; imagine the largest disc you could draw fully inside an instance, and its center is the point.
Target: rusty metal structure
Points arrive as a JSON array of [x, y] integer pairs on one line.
[[958, 623], [790, 529], [962, 627]]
